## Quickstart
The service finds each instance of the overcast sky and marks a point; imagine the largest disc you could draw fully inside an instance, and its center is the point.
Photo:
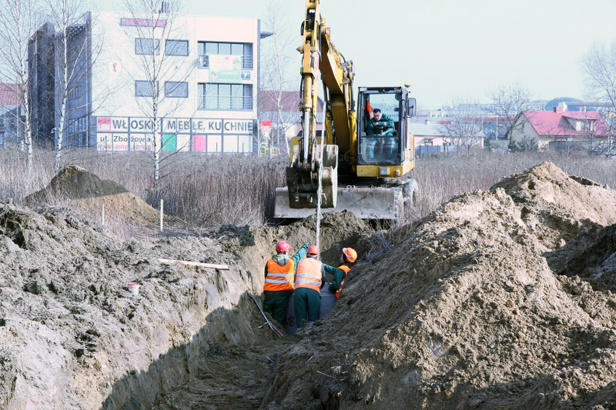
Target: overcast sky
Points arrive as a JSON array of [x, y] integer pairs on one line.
[[450, 49]]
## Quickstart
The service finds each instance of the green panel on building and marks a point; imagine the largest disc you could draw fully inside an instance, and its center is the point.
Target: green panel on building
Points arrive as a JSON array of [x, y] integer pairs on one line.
[[170, 142]]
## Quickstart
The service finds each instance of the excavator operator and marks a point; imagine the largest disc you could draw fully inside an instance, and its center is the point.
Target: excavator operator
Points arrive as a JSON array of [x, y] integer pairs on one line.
[[380, 132]]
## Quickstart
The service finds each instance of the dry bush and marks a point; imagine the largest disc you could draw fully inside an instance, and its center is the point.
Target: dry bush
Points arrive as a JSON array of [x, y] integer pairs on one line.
[[211, 191]]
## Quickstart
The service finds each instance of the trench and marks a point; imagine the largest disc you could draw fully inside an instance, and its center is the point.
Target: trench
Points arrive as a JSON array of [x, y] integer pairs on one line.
[[228, 363]]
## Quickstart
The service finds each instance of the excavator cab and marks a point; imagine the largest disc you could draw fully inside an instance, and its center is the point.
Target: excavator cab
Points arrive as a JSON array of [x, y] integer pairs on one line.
[[384, 142]]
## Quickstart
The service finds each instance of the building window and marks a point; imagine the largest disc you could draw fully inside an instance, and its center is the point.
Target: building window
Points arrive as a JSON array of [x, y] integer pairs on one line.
[[146, 46], [231, 49], [176, 89], [145, 89], [225, 96], [75, 93], [176, 47]]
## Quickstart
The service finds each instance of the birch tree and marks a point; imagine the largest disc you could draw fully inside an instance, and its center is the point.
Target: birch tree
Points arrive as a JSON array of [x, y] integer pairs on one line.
[[18, 22], [154, 66], [73, 61]]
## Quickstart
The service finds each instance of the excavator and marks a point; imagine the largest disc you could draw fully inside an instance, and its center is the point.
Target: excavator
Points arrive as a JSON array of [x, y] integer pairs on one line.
[[360, 161]]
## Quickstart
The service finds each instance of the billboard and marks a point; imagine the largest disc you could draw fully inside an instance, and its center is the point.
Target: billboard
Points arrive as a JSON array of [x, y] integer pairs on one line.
[[175, 134]]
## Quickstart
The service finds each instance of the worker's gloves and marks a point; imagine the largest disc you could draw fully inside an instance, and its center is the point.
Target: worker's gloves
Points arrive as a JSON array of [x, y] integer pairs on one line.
[[306, 245]]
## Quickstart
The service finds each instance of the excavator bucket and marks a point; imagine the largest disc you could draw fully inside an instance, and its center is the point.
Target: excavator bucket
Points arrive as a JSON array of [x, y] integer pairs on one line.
[[365, 202], [303, 181]]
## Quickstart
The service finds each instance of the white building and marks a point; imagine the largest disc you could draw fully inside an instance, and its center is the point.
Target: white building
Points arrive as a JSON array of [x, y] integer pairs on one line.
[[195, 77]]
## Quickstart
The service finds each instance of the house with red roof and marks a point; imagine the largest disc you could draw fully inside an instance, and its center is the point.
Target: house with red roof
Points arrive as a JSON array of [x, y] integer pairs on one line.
[[554, 129]]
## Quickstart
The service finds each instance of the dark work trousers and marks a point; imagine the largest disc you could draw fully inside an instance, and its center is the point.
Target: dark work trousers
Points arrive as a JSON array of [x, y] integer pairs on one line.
[[307, 305], [275, 303]]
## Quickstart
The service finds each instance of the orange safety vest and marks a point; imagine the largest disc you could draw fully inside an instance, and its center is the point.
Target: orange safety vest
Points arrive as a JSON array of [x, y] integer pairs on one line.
[[309, 274], [346, 270], [279, 277]]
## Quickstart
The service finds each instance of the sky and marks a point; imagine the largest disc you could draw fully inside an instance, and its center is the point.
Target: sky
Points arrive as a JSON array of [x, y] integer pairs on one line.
[[449, 50]]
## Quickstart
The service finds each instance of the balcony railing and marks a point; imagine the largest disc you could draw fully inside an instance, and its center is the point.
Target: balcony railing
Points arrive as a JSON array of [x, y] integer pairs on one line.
[[204, 62], [226, 103]]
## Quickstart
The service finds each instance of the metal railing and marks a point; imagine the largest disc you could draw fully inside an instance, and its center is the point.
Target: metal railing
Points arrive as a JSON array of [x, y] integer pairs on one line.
[[226, 103], [247, 62]]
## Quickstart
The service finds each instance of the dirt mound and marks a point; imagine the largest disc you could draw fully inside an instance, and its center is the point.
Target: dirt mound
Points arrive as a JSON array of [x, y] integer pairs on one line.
[[82, 189], [555, 206], [72, 336], [466, 312], [499, 299]]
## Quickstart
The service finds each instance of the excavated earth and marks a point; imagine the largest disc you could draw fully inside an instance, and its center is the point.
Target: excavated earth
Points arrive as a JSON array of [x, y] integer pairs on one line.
[[499, 299]]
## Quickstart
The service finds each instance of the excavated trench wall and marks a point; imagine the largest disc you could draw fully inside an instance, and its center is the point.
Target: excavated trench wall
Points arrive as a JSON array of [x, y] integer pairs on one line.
[[72, 334]]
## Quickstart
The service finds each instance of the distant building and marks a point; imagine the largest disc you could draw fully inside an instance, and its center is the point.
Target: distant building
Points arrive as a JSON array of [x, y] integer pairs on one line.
[[207, 86], [560, 128], [431, 138], [41, 66], [11, 115], [281, 109]]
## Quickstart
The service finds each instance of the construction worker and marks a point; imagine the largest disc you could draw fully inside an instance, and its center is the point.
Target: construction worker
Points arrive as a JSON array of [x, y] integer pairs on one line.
[[309, 279], [380, 131], [348, 258], [279, 279]]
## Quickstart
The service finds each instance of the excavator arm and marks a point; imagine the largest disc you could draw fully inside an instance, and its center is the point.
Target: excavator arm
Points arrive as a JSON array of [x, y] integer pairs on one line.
[[321, 63], [338, 152]]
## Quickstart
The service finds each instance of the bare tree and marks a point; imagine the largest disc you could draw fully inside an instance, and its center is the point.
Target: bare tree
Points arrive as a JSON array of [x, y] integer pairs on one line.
[[464, 127], [275, 76], [73, 61], [154, 66], [18, 22], [599, 68], [508, 101]]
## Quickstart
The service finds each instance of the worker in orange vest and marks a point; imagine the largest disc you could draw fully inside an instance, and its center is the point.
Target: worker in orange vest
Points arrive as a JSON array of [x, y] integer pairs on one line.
[[279, 279], [309, 279], [348, 258]]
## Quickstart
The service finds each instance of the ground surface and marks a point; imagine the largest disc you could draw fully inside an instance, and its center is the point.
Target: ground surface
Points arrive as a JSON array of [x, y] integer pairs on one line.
[[500, 299]]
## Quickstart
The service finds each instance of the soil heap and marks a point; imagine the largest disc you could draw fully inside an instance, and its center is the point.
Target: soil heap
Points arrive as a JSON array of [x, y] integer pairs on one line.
[[500, 299], [73, 336], [82, 189]]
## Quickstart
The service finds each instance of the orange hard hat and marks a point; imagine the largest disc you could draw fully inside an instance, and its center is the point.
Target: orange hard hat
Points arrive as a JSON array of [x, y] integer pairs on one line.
[[350, 254], [282, 246], [313, 250]]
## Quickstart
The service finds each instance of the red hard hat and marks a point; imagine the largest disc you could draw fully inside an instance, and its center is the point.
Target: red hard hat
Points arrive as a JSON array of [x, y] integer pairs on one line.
[[313, 250], [282, 246], [350, 254]]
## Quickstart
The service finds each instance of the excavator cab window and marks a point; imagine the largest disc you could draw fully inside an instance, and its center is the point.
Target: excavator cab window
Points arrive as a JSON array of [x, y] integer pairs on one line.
[[379, 136]]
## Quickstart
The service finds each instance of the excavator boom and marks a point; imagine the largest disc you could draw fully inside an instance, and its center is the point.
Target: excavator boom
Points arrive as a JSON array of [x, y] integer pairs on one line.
[[348, 152]]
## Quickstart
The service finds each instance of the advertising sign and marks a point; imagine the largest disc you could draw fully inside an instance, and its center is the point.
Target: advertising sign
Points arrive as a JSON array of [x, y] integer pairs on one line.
[[175, 134], [225, 68]]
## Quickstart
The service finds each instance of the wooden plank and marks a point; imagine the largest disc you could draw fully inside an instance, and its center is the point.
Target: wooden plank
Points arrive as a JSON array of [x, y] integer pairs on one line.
[[202, 265]]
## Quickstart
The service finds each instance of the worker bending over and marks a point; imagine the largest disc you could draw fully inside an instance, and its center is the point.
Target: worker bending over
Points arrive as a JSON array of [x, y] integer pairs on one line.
[[348, 258], [309, 279], [279, 278]]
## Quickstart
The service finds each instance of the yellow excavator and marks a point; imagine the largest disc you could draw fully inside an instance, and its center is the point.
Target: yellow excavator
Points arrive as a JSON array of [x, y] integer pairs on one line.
[[363, 154]]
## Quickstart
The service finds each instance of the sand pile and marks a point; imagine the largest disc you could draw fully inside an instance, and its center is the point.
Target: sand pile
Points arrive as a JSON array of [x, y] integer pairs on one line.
[[467, 313], [500, 299], [71, 334], [84, 190]]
